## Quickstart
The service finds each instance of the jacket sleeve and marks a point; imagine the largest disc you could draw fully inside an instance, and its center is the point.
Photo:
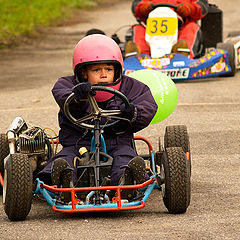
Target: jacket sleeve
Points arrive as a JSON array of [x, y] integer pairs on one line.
[[61, 90], [140, 95]]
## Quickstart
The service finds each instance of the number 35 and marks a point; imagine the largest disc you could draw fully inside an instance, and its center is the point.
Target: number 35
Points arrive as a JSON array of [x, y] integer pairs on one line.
[[163, 26]]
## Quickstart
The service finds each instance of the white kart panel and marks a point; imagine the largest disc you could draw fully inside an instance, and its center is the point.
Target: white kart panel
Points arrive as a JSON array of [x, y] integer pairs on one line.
[[161, 31]]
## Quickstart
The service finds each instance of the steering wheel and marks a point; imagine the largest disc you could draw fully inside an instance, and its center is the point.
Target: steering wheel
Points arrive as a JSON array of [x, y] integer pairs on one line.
[[96, 112]]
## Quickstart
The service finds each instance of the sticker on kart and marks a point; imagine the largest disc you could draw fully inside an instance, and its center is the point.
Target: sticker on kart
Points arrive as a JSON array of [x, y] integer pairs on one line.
[[180, 67], [179, 73], [154, 63]]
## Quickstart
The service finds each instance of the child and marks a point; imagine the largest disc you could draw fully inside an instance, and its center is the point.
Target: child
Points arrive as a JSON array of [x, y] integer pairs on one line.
[[97, 60]]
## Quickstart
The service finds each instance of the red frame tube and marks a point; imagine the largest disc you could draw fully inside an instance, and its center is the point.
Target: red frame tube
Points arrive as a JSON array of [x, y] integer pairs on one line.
[[150, 148], [116, 199], [1, 179]]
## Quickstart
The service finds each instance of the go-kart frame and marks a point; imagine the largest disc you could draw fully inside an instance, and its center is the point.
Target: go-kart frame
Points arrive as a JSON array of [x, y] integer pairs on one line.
[[216, 58], [17, 174]]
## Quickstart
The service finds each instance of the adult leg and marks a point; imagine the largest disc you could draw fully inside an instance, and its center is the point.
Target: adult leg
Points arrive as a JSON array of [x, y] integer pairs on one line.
[[139, 38], [192, 34]]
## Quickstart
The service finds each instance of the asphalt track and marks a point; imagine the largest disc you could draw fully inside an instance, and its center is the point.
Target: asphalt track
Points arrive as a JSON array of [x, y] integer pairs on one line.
[[209, 108]]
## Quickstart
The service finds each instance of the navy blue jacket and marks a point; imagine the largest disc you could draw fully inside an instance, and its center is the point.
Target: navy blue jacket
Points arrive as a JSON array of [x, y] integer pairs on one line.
[[137, 93]]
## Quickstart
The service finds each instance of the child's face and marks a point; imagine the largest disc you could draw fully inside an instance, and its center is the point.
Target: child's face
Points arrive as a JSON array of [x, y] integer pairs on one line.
[[99, 73]]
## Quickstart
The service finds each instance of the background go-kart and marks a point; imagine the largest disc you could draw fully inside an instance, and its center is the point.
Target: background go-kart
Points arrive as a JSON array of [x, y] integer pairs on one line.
[[209, 108]]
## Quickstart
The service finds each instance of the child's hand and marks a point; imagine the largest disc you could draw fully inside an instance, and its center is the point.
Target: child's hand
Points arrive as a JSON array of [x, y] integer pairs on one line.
[[81, 90], [127, 112]]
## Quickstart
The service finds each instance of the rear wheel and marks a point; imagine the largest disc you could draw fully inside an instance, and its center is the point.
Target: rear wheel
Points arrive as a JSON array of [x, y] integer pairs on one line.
[[229, 47], [177, 136], [4, 151], [17, 187], [176, 189]]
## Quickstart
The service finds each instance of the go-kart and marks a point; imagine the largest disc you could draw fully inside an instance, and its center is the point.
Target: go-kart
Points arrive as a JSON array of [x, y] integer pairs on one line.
[[214, 58], [29, 148]]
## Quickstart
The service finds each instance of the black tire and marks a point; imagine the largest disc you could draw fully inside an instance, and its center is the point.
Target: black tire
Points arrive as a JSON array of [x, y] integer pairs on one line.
[[229, 47], [177, 136], [233, 34], [17, 188], [176, 188], [4, 151]]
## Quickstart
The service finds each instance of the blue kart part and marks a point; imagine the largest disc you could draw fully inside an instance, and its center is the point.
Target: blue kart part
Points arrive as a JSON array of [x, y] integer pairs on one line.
[[180, 67], [104, 147], [50, 193], [116, 204]]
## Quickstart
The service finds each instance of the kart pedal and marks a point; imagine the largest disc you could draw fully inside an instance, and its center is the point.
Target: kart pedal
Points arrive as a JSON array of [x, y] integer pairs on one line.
[[139, 196], [106, 181]]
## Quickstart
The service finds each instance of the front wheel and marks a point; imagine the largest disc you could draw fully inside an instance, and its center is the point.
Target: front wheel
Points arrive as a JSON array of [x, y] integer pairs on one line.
[[176, 189], [17, 187], [229, 47], [4, 151]]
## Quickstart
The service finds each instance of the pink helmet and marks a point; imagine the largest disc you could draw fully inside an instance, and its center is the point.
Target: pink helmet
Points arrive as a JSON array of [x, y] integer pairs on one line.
[[97, 48]]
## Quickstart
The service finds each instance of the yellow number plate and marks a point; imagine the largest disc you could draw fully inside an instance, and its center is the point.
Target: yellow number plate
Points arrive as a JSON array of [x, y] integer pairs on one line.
[[158, 26]]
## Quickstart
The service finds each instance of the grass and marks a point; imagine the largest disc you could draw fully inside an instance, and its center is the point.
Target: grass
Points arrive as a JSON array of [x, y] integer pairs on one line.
[[22, 17]]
